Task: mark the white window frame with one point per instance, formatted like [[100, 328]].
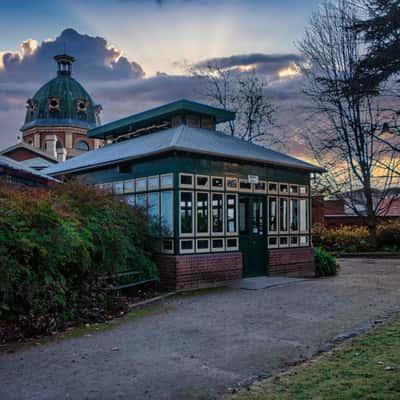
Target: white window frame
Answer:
[[284, 246], [162, 246], [186, 251], [228, 189], [191, 234], [207, 186], [290, 190], [217, 249], [130, 182], [184, 185], [236, 214], [207, 250], [136, 185], [217, 187], [230, 248], [163, 186], [223, 214], [307, 216], [287, 215], [273, 191], [294, 244], [303, 194], [260, 190], [307, 244], [273, 246], [245, 190], [282, 193], [290, 215], [202, 234], [275, 232], [157, 177]]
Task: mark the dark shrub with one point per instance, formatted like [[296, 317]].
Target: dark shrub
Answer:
[[56, 248], [325, 263], [388, 235]]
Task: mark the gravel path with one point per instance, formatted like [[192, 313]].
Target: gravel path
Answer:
[[198, 346]]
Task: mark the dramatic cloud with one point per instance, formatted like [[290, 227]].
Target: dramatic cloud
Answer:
[[268, 64], [96, 60]]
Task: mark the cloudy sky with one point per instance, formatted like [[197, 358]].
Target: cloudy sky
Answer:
[[133, 54]]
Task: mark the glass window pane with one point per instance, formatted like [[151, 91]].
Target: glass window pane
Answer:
[[153, 182], [304, 215], [258, 217], [141, 200], [231, 211], [141, 184], [186, 180], [217, 213], [166, 181], [272, 214], [243, 207], [130, 199], [186, 212], [202, 212], [167, 213], [154, 207], [283, 215], [294, 215]]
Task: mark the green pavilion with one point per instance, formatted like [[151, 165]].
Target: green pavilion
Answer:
[[223, 208]]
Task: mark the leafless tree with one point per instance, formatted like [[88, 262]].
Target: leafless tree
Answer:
[[346, 135], [244, 93]]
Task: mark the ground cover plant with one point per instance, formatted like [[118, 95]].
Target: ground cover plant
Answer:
[[366, 368], [325, 263], [59, 251]]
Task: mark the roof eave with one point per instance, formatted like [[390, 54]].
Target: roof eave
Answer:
[[310, 168]]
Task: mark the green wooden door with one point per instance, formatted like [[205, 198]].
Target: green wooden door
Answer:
[[253, 238]]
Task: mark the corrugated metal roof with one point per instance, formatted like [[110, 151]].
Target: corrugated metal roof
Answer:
[[15, 165], [132, 122], [182, 138]]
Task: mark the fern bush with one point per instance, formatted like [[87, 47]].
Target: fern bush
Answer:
[[325, 263]]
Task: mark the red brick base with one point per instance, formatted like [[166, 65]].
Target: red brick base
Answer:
[[291, 262], [198, 270]]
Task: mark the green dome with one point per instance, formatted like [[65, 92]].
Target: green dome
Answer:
[[62, 101]]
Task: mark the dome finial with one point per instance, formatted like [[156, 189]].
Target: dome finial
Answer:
[[64, 62]]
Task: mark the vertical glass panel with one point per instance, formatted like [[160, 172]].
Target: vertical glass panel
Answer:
[[243, 207], [258, 217], [202, 212], [283, 215], [141, 184], [167, 213], [294, 215], [303, 215], [153, 182], [130, 199], [231, 211], [141, 200], [217, 213], [154, 208], [186, 212], [272, 214]]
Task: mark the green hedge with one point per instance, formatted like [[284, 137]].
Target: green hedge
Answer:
[[56, 246]]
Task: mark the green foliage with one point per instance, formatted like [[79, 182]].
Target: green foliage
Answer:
[[57, 245], [325, 263]]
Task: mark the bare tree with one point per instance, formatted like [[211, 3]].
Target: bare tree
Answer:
[[347, 123], [244, 93]]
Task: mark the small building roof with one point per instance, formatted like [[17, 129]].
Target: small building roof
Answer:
[[25, 146], [9, 163], [136, 121], [181, 138]]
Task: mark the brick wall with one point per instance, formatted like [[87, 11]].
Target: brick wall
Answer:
[[291, 262], [199, 270]]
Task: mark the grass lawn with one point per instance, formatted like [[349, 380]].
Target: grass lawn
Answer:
[[368, 367]]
